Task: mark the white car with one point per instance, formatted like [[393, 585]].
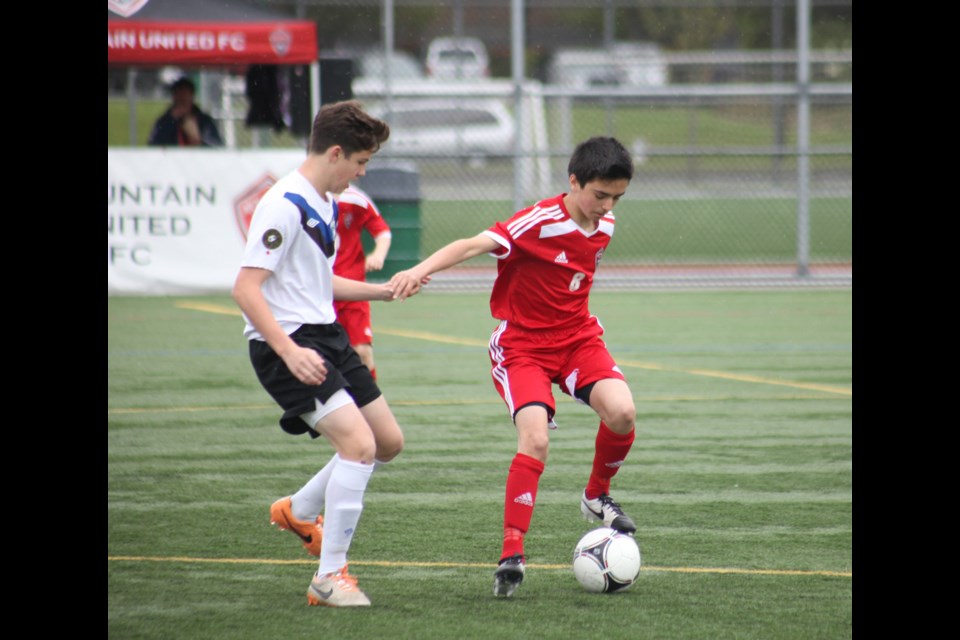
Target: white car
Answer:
[[369, 68], [457, 59], [430, 127], [626, 64], [373, 64]]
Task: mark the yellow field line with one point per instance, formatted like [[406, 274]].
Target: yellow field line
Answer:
[[209, 308], [117, 411], [395, 403], [740, 377], [433, 337], [467, 565]]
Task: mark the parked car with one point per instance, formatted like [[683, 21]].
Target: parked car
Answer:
[[625, 64], [457, 58], [447, 127], [372, 64], [369, 67]]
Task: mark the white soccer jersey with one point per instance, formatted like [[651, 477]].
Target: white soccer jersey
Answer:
[[293, 234]]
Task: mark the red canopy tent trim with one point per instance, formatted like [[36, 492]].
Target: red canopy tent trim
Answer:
[[206, 33], [219, 43]]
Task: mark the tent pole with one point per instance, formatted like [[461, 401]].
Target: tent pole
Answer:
[[132, 104], [314, 91]]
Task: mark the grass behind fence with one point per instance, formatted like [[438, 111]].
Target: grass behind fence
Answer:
[[648, 232], [740, 479], [752, 124]]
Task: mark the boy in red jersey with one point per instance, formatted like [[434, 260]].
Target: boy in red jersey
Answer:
[[356, 213], [548, 254]]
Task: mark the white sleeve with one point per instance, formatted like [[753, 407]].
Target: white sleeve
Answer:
[[272, 229]]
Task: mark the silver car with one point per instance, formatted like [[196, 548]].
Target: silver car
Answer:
[[457, 59], [433, 127]]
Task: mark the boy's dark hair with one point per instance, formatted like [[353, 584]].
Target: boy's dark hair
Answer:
[[600, 158], [183, 82], [348, 125]]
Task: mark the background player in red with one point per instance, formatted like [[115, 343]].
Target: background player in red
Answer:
[[357, 212], [547, 255]]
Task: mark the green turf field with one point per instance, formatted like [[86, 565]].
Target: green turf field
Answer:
[[740, 479]]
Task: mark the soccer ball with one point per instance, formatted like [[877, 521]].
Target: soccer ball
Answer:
[[606, 560]]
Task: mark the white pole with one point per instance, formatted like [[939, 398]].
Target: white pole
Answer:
[[803, 138], [388, 46], [516, 59], [314, 91], [132, 104]]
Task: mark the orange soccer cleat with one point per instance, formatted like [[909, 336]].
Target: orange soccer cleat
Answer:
[[310, 533]]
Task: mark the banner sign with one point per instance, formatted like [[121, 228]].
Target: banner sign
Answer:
[[177, 219], [216, 43]]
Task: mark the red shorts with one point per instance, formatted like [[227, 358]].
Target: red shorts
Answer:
[[355, 318], [527, 363]]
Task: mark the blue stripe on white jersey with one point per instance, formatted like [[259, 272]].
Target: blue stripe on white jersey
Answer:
[[323, 234]]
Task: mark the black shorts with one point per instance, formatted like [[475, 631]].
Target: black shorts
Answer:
[[344, 371]]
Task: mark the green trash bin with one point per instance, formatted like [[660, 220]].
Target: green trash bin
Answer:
[[395, 189]]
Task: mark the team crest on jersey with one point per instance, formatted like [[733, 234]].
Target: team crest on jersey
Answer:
[[272, 238], [348, 220], [599, 257]]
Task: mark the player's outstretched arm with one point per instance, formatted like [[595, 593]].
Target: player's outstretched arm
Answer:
[[406, 283], [347, 289]]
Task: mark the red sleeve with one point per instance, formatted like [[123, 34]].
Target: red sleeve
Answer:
[[374, 222]]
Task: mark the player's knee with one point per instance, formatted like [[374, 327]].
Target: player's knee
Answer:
[[360, 447], [535, 445], [389, 448], [365, 351], [622, 418]]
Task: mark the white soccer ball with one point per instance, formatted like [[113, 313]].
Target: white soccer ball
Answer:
[[606, 560]]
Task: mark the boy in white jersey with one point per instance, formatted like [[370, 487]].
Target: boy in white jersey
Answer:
[[302, 356], [547, 255]]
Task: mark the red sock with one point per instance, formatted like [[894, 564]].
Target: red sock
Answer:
[[521, 494], [610, 450]]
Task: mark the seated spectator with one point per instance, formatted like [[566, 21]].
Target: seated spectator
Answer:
[[184, 124]]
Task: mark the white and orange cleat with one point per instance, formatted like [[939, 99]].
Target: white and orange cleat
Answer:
[[336, 590]]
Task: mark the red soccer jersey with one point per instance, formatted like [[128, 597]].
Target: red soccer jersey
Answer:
[[356, 212], [546, 266]]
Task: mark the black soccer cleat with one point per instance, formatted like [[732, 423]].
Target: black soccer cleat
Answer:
[[508, 576]]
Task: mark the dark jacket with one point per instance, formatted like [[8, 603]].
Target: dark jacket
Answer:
[[166, 130]]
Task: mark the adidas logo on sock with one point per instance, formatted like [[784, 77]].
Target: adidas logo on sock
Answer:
[[524, 498], [614, 465], [562, 258]]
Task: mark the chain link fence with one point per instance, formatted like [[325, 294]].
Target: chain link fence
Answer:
[[744, 173], [715, 200]]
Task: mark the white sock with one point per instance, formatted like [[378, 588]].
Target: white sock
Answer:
[[307, 503], [344, 504]]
